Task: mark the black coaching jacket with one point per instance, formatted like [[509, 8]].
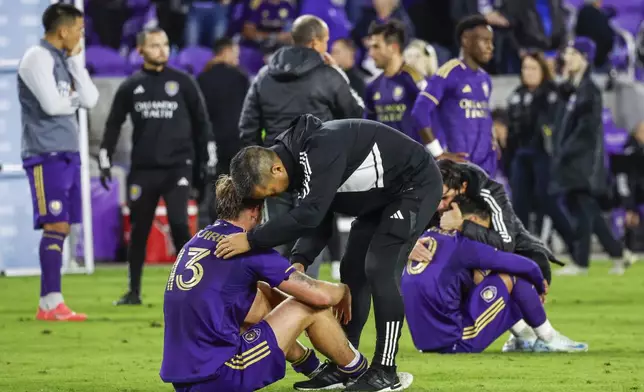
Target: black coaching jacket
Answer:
[[295, 82], [352, 167], [507, 232]]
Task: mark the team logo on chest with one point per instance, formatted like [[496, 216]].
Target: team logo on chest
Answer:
[[283, 13], [135, 192], [171, 88], [252, 335], [398, 93], [486, 89], [376, 96]]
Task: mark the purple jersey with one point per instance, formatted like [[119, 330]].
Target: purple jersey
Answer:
[[461, 98], [271, 16], [433, 292], [206, 301], [389, 100]]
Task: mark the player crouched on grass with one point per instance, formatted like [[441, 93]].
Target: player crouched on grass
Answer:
[[216, 337], [454, 304]]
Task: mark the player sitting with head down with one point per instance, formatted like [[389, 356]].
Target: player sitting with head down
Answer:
[[454, 304], [220, 334]]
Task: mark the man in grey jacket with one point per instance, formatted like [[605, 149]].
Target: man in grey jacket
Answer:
[[52, 85]]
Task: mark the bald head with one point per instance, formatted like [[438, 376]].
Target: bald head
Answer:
[[311, 32]]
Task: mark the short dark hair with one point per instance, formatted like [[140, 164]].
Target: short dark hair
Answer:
[[249, 168], [222, 44], [229, 204], [58, 14], [468, 23], [306, 28], [453, 173], [393, 31], [473, 205], [143, 34]]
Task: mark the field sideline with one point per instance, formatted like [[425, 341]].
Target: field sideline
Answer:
[[119, 349]]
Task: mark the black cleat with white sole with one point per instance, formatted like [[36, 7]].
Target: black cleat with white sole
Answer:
[[327, 379], [376, 379]]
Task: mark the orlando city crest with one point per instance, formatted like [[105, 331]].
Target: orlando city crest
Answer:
[[55, 207], [252, 335], [488, 294], [398, 93], [171, 88], [486, 89]]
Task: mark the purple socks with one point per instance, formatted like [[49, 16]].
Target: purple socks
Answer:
[[51, 260], [527, 299]]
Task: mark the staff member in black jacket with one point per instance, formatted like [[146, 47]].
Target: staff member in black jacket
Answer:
[[578, 173], [224, 86], [169, 152], [507, 232], [532, 114], [352, 167], [300, 79]]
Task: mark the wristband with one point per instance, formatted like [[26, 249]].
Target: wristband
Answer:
[[435, 148]]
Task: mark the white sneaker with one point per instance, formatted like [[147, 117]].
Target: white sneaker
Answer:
[[518, 345], [618, 268], [628, 258], [405, 379], [571, 269], [561, 344]]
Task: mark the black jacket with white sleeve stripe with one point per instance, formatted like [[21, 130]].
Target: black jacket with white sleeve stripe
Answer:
[[352, 167], [507, 232]]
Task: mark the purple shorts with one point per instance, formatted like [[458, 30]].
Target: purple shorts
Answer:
[[487, 314], [259, 362], [55, 185]]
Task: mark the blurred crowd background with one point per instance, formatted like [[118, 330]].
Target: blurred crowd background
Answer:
[[244, 34]]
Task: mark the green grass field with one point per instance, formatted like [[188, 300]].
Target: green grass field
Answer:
[[119, 349]]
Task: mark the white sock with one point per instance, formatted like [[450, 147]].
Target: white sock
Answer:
[[51, 301], [522, 330], [545, 331], [356, 359]]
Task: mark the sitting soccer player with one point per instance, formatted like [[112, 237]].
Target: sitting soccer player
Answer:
[[448, 312], [215, 336]]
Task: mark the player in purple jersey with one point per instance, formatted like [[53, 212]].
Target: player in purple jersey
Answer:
[[390, 98], [460, 93], [463, 299], [221, 333]]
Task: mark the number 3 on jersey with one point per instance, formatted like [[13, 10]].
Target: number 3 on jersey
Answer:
[[192, 265]]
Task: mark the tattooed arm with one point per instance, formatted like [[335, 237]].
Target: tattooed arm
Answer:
[[315, 293]]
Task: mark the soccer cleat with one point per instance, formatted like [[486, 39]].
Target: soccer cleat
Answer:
[[560, 344], [617, 269], [61, 313], [518, 345], [629, 258], [571, 269], [376, 379], [129, 298], [326, 379]]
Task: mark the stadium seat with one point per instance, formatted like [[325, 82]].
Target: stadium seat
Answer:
[[333, 13], [103, 61], [138, 4], [623, 56], [250, 59], [135, 62], [194, 59]]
